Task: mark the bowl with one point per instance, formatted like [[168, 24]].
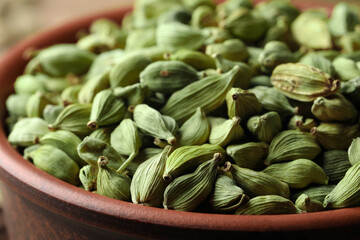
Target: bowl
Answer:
[[39, 206]]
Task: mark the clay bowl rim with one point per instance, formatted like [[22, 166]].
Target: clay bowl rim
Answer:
[[74, 203]]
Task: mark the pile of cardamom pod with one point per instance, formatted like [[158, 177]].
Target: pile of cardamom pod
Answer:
[[191, 106]]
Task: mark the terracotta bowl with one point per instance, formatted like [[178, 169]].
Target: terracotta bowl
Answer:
[[39, 206]]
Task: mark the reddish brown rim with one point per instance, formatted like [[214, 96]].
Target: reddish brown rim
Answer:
[[74, 203]]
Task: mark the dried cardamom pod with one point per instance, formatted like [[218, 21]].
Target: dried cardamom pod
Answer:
[[335, 163], [187, 192], [274, 54], [301, 123], [147, 185], [350, 42], [350, 89], [16, 104], [318, 61], [335, 135], [28, 84], [195, 130], [203, 16], [302, 82], [185, 159], [143, 114], [225, 8], [265, 127], [106, 109], [26, 130], [242, 103], [73, 118], [273, 100], [353, 151], [29, 150], [347, 191], [334, 108], [104, 62], [290, 145], [70, 94], [36, 104], [56, 163], [248, 155], [226, 196], [316, 193], [180, 15], [102, 134], [112, 184], [140, 38], [258, 183], [216, 35], [346, 68], [267, 205], [272, 10], [232, 49], [224, 131], [92, 86], [167, 76], [208, 93], [306, 204], [133, 94], [298, 173], [196, 59], [343, 19], [88, 177]]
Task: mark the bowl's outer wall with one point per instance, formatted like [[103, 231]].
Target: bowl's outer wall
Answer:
[[39, 206]]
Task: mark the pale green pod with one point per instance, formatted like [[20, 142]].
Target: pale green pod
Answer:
[[298, 173], [316, 193], [106, 110], [335, 135], [216, 35], [133, 94], [353, 151], [51, 112], [155, 53], [350, 42], [102, 134], [208, 93], [335, 163], [290, 145], [203, 16], [28, 84], [167, 76], [280, 31], [302, 82], [56, 84], [104, 62], [344, 19], [180, 15], [227, 7], [147, 185], [226, 196], [242, 103], [317, 61], [92, 87], [224, 131], [36, 104], [258, 183], [143, 114], [301, 123], [127, 71], [195, 130], [26, 130], [56, 163], [70, 94], [187, 192], [196, 59], [62, 59], [112, 184], [29, 150], [140, 38], [232, 49], [176, 36], [312, 24], [103, 26], [16, 104], [351, 90], [273, 100], [272, 10], [73, 118], [65, 141], [334, 108], [274, 54], [306, 204], [248, 155], [88, 177], [346, 68], [265, 127], [267, 205], [170, 124], [185, 159], [96, 43], [347, 191]]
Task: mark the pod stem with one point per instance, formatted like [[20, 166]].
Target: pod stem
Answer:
[[126, 163], [159, 143], [93, 125]]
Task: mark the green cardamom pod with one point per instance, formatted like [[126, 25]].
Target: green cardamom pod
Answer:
[[298, 173], [16, 104], [351, 90], [102, 134], [187, 192], [267, 205], [226, 196], [180, 15], [29, 150], [271, 10], [274, 54], [203, 16], [88, 177], [70, 94], [347, 191], [93, 86], [56, 163], [306, 204], [167, 76], [28, 84], [248, 155], [265, 127], [318, 61], [106, 110], [208, 93], [301, 123], [140, 38], [104, 62], [290, 145], [143, 114], [350, 42], [195, 130], [232, 49], [196, 59], [316, 193], [344, 19], [147, 185], [353, 151], [224, 131], [185, 159], [335, 135], [36, 104], [335, 163], [216, 35], [225, 8], [242, 103], [346, 68], [133, 94], [302, 82], [51, 112]]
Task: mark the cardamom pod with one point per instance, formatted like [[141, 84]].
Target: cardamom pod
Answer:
[[16, 104], [316, 193], [92, 86], [28, 84], [70, 94], [36, 104], [140, 38], [232, 49], [104, 62], [318, 61], [306, 204], [203, 16], [301, 123], [274, 54], [335, 163], [196, 59], [346, 68], [224, 131], [88, 177], [248, 155], [265, 127], [102, 134], [353, 151], [343, 19]]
